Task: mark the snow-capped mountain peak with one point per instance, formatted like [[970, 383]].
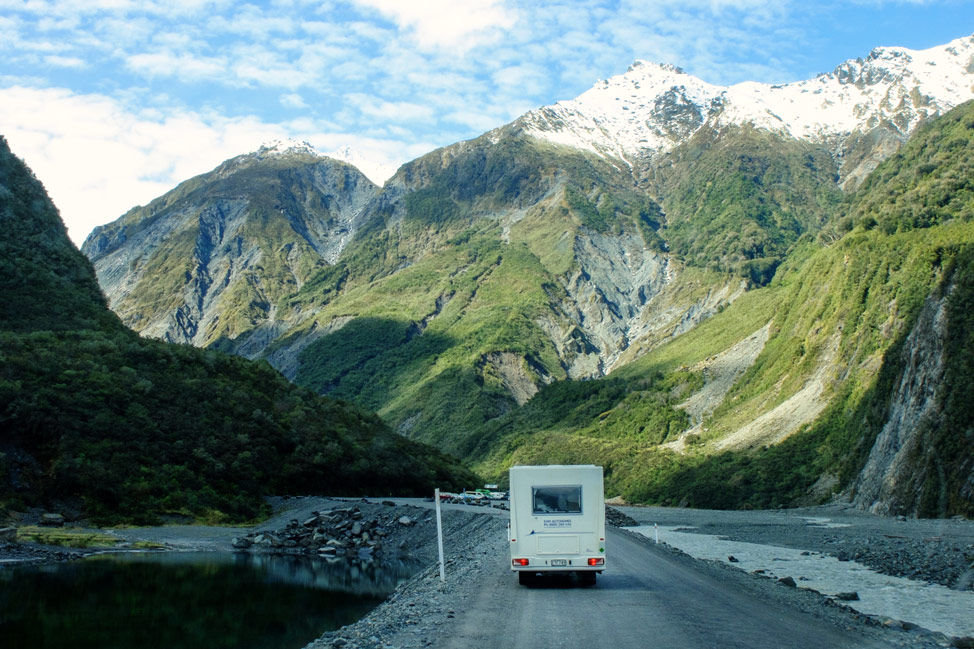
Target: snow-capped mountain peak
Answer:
[[286, 147], [653, 107]]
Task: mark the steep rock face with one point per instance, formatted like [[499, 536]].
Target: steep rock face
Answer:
[[890, 481], [210, 261], [607, 295], [518, 376]]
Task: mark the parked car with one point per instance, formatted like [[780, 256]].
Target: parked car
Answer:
[[473, 498]]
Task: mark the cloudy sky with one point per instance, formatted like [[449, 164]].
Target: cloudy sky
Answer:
[[114, 102]]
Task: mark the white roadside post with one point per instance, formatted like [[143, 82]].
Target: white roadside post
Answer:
[[439, 531], [656, 529]]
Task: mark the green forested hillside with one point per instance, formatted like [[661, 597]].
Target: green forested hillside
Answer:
[[862, 295], [929, 182], [44, 282], [749, 327], [99, 421], [740, 200]]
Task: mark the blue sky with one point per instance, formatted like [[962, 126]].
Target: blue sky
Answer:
[[114, 102]]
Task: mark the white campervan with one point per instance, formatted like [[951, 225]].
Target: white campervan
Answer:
[[557, 521]]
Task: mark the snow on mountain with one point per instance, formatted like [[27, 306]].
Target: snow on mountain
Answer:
[[286, 147], [375, 169], [653, 107]]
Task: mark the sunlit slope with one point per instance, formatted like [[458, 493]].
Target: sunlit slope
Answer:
[[480, 273], [781, 397], [209, 262], [502, 266]]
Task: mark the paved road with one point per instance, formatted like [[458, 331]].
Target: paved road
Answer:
[[645, 599]]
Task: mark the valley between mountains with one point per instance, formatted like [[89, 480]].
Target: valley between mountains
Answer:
[[741, 297], [744, 297]]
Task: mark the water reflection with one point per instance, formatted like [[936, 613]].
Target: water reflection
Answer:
[[177, 600]]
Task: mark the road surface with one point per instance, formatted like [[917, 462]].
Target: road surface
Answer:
[[645, 598]]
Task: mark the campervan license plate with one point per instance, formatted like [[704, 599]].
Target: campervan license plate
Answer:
[[559, 562]]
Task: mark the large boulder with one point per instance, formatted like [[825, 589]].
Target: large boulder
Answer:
[[52, 520]]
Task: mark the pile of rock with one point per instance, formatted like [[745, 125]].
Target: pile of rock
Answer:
[[618, 519], [339, 534]]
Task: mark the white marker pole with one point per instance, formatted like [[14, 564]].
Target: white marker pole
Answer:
[[656, 529], [439, 532]]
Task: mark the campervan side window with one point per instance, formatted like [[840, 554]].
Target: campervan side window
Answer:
[[557, 500]]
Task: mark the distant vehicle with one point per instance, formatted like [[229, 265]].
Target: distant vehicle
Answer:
[[447, 496], [557, 521], [492, 494]]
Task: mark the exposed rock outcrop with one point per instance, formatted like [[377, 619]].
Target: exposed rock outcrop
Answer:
[[210, 260], [889, 482]]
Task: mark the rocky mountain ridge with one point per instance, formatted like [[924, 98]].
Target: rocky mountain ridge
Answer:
[[251, 231], [652, 108]]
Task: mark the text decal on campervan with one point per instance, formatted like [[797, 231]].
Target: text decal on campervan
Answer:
[[557, 520]]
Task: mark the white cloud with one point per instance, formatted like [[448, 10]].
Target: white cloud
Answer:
[[182, 66], [393, 111], [527, 77], [65, 61], [448, 24], [98, 159], [293, 100], [476, 121]]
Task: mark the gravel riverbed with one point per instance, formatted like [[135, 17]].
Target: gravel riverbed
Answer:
[[933, 550]]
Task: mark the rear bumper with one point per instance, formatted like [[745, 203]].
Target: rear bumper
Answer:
[[577, 564]]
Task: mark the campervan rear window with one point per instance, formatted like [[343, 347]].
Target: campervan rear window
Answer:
[[557, 500]]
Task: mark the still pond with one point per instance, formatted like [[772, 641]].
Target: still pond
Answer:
[[180, 600]]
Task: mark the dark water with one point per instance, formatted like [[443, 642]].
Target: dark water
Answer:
[[185, 600]]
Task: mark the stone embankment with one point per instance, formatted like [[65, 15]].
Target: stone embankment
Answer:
[[346, 533]]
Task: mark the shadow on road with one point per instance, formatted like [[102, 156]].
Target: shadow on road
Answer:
[[566, 580]]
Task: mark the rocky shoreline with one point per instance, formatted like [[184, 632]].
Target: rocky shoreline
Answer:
[[336, 534], [23, 553]]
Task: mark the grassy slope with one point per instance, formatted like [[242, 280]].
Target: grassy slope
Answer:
[[739, 201], [280, 201], [446, 247], [869, 288]]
